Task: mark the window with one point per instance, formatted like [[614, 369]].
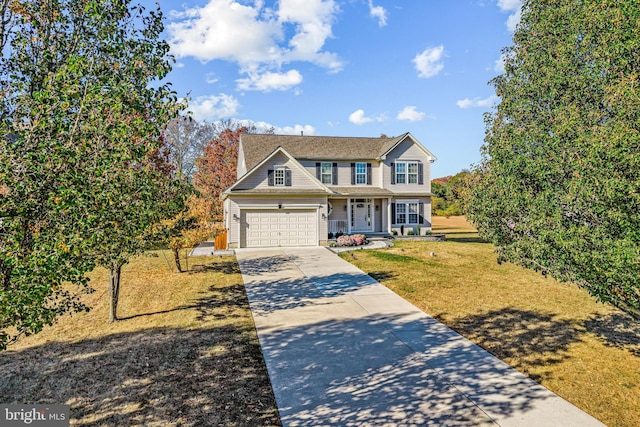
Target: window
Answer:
[[326, 173], [279, 176], [401, 213], [406, 173], [361, 173], [401, 173], [413, 213], [407, 212], [412, 173]]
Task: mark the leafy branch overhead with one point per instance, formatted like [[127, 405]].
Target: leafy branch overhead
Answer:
[[559, 186]]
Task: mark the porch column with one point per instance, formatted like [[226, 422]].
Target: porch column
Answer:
[[349, 216], [389, 219]]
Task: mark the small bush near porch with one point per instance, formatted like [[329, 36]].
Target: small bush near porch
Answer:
[[586, 352]]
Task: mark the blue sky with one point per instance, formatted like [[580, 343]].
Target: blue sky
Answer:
[[345, 67]]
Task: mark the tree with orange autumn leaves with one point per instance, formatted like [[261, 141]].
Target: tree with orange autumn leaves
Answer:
[[217, 168]]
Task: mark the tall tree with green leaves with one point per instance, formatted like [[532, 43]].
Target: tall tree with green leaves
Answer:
[[559, 188], [82, 112]]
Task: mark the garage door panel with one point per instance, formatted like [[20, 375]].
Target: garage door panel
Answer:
[[264, 228]]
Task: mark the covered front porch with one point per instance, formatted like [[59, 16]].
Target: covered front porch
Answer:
[[363, 215]]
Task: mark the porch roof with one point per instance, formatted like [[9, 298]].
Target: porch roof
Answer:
[[361, 191], [279, 191]]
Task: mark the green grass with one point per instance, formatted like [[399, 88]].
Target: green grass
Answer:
[[185, 353], [588, 353]]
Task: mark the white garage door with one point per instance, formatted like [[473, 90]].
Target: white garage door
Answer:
[[282, 227]]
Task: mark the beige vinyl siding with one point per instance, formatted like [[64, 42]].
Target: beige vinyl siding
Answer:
[[236, 204], [339, 209], [344, 171], [259, 179], [242, 165], [407, 152]]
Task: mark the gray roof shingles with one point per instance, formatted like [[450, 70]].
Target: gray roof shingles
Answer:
[[258, 146]]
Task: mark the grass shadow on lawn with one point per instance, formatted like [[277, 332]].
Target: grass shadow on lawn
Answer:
[[464, 237], [208, 306], [616, 330], [226, 267], [192, 359], [382, 275], [160, 376], [543, 339]]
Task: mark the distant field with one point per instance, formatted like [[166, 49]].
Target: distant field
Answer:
[[186, 353], [588, 353]]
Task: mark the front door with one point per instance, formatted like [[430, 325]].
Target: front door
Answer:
[[361, 214]]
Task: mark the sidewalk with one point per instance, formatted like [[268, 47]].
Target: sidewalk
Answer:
[[341, 349]]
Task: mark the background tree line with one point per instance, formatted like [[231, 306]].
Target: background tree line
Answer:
[[451, 194]]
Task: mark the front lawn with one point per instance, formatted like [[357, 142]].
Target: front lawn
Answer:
[[185, 353], [588, 353]]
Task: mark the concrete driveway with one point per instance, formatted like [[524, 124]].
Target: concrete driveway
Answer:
[[341, 349]]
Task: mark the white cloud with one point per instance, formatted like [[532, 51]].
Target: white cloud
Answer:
[[358, 117], [429, 62], [269, 81], [214, 107], [411, 114], [513, 6], [498, 66], [378, 12], [286, 130], [211, 78], [255, 37], [478, 102], [313, 20], [224, 29], [296, 130], [507, 5]]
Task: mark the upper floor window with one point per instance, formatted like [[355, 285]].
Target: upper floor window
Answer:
[[406, 173], [326, 173], [279, 176], [361, 173]]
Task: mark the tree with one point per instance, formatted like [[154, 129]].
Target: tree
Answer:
[[217, 168], [559, 185], [80, 134], [451, 194], [186, 139], [190, 227]]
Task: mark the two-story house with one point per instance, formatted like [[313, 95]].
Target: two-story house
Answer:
[[299, 190]]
